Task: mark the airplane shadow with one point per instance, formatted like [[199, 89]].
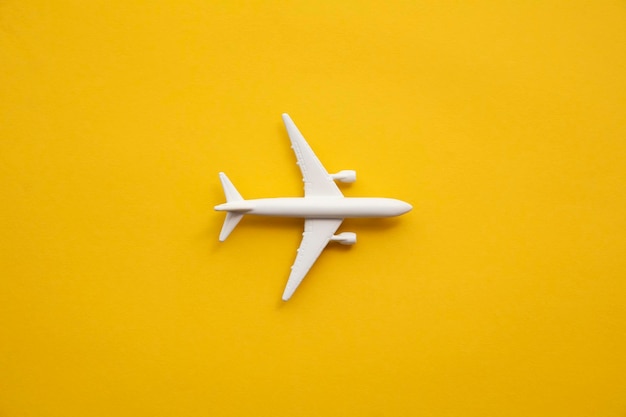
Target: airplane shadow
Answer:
[[263, 224]]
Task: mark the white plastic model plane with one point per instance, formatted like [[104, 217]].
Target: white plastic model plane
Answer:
[[323, 207]]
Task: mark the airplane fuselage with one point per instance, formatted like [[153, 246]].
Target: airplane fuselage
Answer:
[[319, 207]]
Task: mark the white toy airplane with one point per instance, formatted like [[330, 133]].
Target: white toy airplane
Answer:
[[323, 207]]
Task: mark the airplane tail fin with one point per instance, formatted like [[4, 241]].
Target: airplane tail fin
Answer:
[[232, 217]]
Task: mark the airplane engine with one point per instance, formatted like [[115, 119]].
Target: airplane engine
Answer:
[[347, 176], [345, 238]]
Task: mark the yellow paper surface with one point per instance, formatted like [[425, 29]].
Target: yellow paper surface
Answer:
[[503, 293]]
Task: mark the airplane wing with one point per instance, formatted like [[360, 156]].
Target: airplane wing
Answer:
[[317, 181], [317, 233]]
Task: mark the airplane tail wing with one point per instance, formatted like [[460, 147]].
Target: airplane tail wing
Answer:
[[230, 191], [232, 217]]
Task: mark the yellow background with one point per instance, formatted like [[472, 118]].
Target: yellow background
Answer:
[[501, 294]]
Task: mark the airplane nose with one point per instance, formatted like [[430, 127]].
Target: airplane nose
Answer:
[[405, 207]]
